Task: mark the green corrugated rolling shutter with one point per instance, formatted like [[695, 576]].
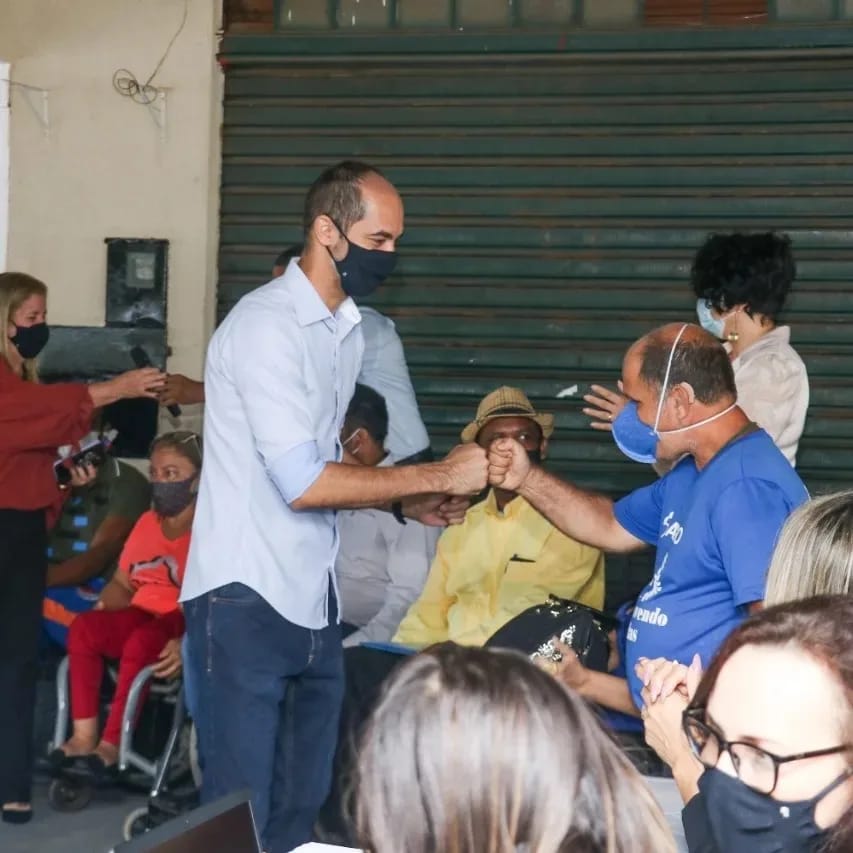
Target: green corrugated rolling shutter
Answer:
[[556, 187]]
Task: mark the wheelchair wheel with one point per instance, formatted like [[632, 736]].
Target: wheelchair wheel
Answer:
[[136, 823], [66, 795]]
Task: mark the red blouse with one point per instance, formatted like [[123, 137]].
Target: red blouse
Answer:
[[34, 421]]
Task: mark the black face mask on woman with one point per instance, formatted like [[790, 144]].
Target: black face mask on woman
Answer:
[[31, 340], [747, 821]]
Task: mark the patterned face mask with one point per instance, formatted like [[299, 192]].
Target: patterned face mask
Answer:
[[170, 499]]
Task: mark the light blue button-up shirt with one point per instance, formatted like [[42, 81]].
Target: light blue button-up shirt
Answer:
[[280, 372], [385, 370]]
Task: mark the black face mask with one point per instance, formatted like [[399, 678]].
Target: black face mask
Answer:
[[535, 456], [363, 270], [745, 820], [31, 340], [170, 499]]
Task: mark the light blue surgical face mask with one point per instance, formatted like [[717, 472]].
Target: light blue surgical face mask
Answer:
[[637, 440], [715, 326]]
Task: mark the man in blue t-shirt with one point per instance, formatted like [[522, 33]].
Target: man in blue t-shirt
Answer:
[[714, 518]]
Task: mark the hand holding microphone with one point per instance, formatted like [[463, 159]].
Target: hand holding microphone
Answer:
[[143, 361]]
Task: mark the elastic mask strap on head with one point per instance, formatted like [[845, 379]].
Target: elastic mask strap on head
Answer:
[[835, 783], [666, 376], [329, 249], [700, 423], [340, 231]]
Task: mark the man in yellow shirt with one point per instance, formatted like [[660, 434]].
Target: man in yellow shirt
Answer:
[[502, 559], [505, 556]]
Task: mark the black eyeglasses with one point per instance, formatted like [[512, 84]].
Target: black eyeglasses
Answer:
[[755, 767]]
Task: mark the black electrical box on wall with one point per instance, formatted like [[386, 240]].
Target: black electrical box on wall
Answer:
[[137, 272]]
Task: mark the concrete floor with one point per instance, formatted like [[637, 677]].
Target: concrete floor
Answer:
[[99, 827], [96, 829]]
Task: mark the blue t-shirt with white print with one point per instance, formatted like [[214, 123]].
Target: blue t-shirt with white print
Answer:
[[714, 531]]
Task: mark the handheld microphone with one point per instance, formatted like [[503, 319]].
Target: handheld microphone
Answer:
[[142, 359]]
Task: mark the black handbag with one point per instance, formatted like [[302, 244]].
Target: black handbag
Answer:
[[583, 628]]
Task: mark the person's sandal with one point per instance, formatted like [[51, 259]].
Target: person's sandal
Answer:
[[57, 759], [101, 772], [19, 816]]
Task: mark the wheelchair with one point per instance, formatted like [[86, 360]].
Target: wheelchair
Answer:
[[171, 777]]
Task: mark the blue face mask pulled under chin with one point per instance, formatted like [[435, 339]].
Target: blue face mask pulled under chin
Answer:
[[638, 441]]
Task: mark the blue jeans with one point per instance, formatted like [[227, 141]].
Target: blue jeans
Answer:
[[189, 676], [269, 696]]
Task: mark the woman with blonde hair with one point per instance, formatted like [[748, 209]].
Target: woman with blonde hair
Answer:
[[814, 554], [473, 750], [34, 421]]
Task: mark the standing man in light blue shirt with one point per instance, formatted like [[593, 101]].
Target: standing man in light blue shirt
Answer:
[[259, 593]]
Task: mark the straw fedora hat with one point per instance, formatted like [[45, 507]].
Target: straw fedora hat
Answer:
[[506, 402]]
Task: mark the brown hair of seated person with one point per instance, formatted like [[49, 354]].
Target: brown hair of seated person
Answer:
[[477, 751]]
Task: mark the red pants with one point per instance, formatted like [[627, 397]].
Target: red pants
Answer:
[[132, 636]]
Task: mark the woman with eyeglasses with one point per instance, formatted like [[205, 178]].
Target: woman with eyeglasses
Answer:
[[766, 758]]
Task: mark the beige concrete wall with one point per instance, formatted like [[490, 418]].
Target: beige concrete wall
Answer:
[[4, 160], [102, 168]]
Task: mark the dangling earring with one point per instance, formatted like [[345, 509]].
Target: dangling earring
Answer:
[[733, 335]]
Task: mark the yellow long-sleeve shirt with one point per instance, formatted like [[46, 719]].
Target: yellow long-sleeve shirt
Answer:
[[492, 567]]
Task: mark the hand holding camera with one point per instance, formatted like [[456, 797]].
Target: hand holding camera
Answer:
[[79, 467]]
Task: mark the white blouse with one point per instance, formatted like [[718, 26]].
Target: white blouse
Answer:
[[773, 388]]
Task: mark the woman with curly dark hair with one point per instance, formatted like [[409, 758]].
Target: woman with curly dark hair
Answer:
[[742, 282]]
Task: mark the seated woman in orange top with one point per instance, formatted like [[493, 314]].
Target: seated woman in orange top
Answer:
[[137, 619]]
